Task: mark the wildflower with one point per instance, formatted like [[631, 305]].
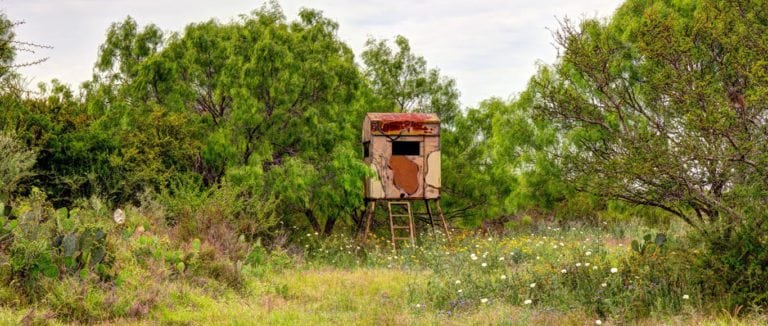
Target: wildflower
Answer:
[[473, 256], [483, 300], [458, 282], [459, 291], [317, 233], [578, 264], [561, 244], [501, 258], [686, 297], [533, 285], [589, 253], [490, 239], [503, 277], [537, 257], [594, 267], [614, 270], [563, 271], [604, 284], [484, 265], [418, 305], [598, 322], [586, 264], [527, 301]]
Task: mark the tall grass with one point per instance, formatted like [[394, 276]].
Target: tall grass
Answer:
[[541, 273]]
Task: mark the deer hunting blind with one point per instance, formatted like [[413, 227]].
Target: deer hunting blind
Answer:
[[403, 150]]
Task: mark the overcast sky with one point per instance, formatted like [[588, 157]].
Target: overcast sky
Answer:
[[490, 47]]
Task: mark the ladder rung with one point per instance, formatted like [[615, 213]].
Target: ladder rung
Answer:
[[401, 227]]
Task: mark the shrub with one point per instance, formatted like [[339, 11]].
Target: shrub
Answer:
[[50, 243], [16, 164], [733, 269]]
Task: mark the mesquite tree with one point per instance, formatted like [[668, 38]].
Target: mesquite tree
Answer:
[[665, 106]]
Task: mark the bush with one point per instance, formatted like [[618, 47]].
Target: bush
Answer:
[[734, 267], [16, 164], [48, 243]]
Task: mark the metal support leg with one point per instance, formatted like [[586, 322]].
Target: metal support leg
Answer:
[[369, 217], [431, 219], [442, 218]]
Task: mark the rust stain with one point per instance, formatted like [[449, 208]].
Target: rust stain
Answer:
[[404, 123], [405, 173], [410, 126], [391, 116]]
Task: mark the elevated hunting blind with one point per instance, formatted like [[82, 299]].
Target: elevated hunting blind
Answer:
[[403, 150]]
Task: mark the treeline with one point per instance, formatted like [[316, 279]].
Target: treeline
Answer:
[[267, 106]]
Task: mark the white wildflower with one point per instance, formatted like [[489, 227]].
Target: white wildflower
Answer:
[[533, 285], [483, 300], [686, 297], [119, 216], [527, 301], [614, 270]]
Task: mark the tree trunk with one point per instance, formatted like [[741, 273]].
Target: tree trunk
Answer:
[[329, 223], [312, 220]]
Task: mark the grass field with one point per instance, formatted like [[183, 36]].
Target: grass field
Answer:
[[545, 276]]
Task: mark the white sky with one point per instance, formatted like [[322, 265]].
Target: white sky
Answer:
[[490, 47]]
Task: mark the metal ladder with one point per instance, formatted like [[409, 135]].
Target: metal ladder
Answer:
[[393, 227]]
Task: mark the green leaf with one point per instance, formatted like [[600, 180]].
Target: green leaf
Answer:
[[50, 271]]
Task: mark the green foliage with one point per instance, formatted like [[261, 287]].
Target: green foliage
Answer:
[[46, 243], [16, 165], [7, 51], [403, 83], [640, 122], [650, 245], [266, 103], [660, 106], [734, 268]]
